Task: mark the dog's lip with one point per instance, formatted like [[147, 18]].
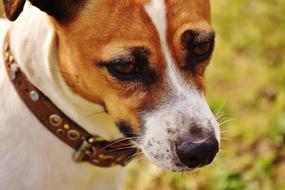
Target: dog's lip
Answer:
[[179, 168], [176, 166]]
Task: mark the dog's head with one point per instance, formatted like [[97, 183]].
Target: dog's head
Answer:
[[145, 61]]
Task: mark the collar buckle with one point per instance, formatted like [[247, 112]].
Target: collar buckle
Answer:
[[85, 149]]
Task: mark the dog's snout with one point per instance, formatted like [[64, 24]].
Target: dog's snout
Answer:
[[197, 154]]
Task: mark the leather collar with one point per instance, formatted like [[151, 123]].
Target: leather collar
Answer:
[[88, 148]]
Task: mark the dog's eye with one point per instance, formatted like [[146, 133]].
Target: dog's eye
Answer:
[[202, 48], [123, 70], [198, 48], [132, 68], [200, 52]]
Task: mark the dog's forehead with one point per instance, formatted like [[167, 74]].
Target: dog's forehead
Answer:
[[177, 13], [136, 20]]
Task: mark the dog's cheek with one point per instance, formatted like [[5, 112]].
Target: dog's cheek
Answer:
[[155, 142]]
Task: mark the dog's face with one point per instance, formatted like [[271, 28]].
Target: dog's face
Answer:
[[145, 61]]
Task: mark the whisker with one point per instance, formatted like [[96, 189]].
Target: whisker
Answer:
[[226, 121], [123, 148], [223, 132], [122, 140], [92, 114], [219, 112], [223, 117], [129, 157], [220, 116], [222, 152], [139, 155], [141, 158]]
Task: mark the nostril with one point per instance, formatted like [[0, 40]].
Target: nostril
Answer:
[[194, 154]]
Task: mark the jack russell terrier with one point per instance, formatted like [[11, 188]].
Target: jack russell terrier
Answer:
[[130, 68]]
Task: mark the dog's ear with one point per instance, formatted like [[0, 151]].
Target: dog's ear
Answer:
[[13, 8], [61, 10]]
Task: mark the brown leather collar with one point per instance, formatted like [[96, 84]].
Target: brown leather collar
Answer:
[[89, 148]]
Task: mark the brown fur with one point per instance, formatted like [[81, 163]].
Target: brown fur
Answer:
[[103, 29]]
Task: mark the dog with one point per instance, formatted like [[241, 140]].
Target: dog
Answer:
[[131, 68]]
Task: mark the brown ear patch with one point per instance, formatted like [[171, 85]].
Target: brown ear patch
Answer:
[[13, 8]]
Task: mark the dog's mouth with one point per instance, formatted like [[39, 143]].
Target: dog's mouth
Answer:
[[171, 153], [186, 156], [179, 136]]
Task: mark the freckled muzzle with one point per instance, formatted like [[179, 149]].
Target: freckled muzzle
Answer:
[[182, 135]]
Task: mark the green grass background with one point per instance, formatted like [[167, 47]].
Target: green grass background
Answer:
[[246, 88]]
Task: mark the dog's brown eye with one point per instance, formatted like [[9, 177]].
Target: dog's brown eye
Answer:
[[198, 46], [123, 70], [202, 49], [199, 52], [127, 68], [131, 68]]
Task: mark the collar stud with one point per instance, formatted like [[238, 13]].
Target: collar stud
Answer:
[[6, 56], [11, 59], [73, 135], [60, 132], [13, 69], [34, 96], [55, 120]]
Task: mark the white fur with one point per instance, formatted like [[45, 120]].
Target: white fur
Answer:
[[31, 157], [186, 104]]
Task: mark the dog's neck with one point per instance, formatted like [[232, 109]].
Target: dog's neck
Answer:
[[34, 45]]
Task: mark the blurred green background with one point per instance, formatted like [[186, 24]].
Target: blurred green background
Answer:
[[246, 89]]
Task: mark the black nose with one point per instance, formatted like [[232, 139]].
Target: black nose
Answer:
[[194, 154]]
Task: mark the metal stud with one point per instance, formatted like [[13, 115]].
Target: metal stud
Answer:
[[79, 155], [13, 70], [91, 152], [60, 132], [88, 153], [105, 157], [11, 59], [73, 135], [66, 126], [55, 120], [34, 96], [92, 140], [6, 56], [95, 161]]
